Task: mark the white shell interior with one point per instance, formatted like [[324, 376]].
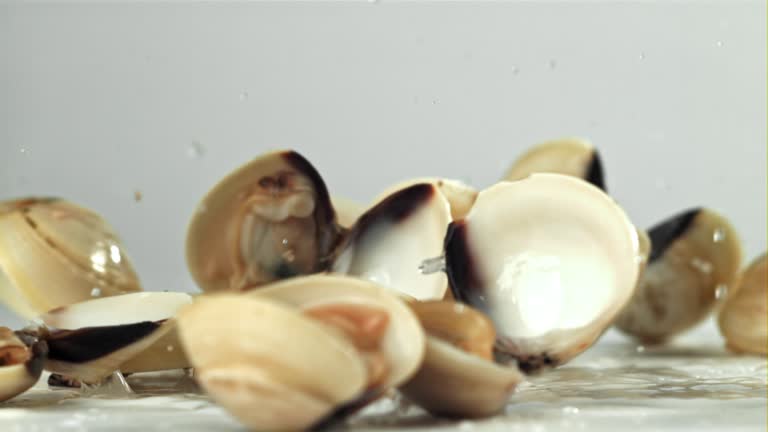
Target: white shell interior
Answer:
[[554, 253], [390, 253], [117, 310]]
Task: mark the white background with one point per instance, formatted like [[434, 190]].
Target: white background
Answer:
[[100, 101]]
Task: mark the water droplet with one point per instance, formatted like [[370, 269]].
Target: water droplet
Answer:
[[137, 195], [702, 265], [570, 410], [96, 292], [719, 44], [195, 150], [434, 101], [718, 235], [243, 96], [515, 70], [285, 242], [640, 258], [642, 55], [721, 291], [640, 348], [22, 150], [169, 348], [552, 64]]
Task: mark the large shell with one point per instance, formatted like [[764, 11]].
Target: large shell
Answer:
[[54, 253], [693, 254], [551, 259], [21, 363], [569, 156], [270, 219], [389, 242], [743, 320], [90, 340], [403, 343], [460, 196], [458, 378], [267, 364]]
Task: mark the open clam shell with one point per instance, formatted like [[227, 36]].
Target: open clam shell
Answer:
[[569, 156], [54, 253], [21, 363], [743, 319], [90, 340], [551, 259], [458, 377], [693, 254], [266, 363], [269, 219], [403, 342], [390, 240], [460, 196]]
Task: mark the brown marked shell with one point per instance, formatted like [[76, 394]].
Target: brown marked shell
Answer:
[[743, 319], [569, 156]]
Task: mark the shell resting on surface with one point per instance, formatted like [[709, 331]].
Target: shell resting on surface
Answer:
[[54, 253], [21, 362], [743, 319], [270, 219]]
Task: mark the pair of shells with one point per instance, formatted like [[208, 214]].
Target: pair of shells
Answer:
[[551, 259]]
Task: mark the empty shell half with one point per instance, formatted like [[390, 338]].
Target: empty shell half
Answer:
[[551, 259], [90, 340], [271, 367], [460, 196], [269, 219], [389, 242], [54, 253], [570, 156], [458, 377], [743, 320], [693, 254], [21, 362]]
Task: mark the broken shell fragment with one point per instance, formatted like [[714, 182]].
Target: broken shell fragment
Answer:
[[743, 319], [551, 259], [21, 363], [389, 242], [90, 340], [269, 219], [460, 196], [54, 253], [693, 254], [570, 156], [458, 377], [267, 364]]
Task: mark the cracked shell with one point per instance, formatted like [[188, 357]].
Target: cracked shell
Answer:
[[270, 219], [54, 253], [551, 259], [569, 156], [743, 319]]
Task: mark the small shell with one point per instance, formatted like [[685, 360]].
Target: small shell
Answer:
[[569, 156], [458, 378], [54, 253], [743, 320], [90, 340], [20, 363], [267, 364], [269, 219], [460, 196], [551, 259], [693, 254], [390, 241]]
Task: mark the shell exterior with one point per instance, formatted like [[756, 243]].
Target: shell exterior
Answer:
[[269, 219], [21, 363], [389, 242], [458, 377], [693, 254], [54, 253], [251, 355], [90, 340], [743, 319], [347, 210], [403, 343], [569, 156], [460, 196], [551, 259]]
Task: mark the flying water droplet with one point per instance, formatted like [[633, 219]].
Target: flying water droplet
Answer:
[[22, 150], [137, 195], [552, 64], [195, 150], [515, 70], [718, 235], [434, 101], [719, 44], [243, 96], [642, 55]]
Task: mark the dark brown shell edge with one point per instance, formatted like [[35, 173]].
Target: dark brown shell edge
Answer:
[[664, 234], [594, 172], [90, 343]]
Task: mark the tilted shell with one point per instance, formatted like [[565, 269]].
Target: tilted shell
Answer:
[[743, 319]]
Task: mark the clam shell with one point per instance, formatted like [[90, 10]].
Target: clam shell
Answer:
[[267, 364], [54, 253], [16, 378], [90, 340], [389, 242], [692, 254], [551, 259], [460, 196], [403, 343], [347, 210], [270, 219], [743, 319], [569, 156]]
